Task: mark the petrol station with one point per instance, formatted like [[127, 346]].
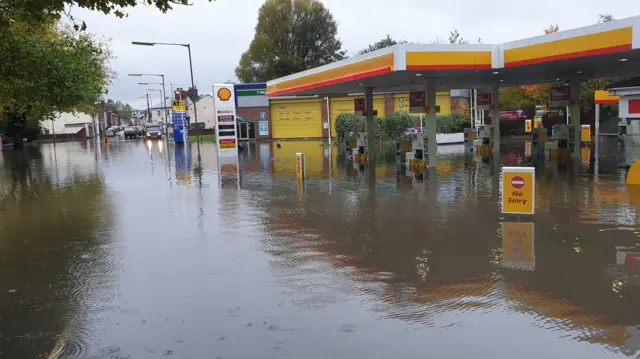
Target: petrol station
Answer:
[[609, 49]]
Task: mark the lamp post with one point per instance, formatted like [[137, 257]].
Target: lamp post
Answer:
[[193, 86], [163, 107], [164, 94]]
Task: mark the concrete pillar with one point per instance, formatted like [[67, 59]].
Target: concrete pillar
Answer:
[[495, 117], [575, 113], [430, 97], [368, 107]]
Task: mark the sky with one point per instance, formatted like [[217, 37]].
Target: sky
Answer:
[[220, 31]]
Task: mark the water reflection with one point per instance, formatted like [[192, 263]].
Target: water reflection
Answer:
[[146, 251], [417, 261], [55, 255]]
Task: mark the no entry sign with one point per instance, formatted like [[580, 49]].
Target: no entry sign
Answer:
[[517, 182], [518, 190]]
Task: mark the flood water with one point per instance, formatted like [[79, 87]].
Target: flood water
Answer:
[[134, 250]]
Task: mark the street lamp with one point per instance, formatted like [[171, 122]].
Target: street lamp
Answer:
[[164, 102], [193, 86]]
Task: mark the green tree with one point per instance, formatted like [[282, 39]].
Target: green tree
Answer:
[[291, 36], [45, 10], [515, 96], [385, 42], [47, 69], [121, 109]]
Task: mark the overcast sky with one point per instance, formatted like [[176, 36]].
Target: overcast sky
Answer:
[[219, 32]]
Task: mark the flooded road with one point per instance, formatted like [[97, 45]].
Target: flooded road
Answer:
[[133, 250]]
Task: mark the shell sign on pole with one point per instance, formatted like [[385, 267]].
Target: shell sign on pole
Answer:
[[225, 116]]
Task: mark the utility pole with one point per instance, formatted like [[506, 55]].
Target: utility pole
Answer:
[[164, 106], [148, 110]]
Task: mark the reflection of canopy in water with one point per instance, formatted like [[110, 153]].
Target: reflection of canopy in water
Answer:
[[449, 268]]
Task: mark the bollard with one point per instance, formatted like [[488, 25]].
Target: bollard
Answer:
[[300, 173], [300, 167]]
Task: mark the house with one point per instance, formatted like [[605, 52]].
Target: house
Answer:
[[206, 118], [70, 126]]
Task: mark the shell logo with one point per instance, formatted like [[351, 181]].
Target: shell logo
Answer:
[[224, 94]]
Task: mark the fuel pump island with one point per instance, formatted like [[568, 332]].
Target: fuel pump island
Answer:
[[609, 49]]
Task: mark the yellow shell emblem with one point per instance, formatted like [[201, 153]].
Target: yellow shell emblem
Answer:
[[224, 94]]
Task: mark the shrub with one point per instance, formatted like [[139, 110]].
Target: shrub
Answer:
[[349, 122], [396, 123], [452, 123]]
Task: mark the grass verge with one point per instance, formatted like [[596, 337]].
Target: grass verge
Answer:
[[203, 138]]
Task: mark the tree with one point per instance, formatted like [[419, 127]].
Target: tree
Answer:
[[123, 110], [48, 69], [551, 29], [514, 96], [602, 18], [385, 42], [456, 38], [44, 10], [291, 36]]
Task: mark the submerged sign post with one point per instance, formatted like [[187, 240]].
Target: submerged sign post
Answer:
[[518, 190], [225, 112], [179, 120]]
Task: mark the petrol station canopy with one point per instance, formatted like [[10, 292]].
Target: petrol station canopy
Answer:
[[604, 50]]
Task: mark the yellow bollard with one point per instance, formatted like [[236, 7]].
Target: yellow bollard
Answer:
[[633, 176]]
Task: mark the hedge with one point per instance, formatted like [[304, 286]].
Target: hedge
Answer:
[[395, 123]]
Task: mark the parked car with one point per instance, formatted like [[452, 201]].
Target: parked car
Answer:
[[411, 130], [132, 132], [153, 132]]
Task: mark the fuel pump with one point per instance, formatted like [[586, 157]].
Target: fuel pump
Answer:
[[350, 145], [562, 141], [538, 141], [629, 136], [484, 143], [416, 158], [470, 135], [403, 145], [360, 154]]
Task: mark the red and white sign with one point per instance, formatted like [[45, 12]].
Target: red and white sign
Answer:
[[358, 106], [559, 96], [517, 182], [417, 102], [225, 110], [226, 118], [484, 100]]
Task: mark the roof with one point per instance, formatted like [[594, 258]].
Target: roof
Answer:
[[587, 52], [632, 82]]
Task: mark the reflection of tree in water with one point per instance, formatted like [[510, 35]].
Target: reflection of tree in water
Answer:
[[416, 263], [52, 254]]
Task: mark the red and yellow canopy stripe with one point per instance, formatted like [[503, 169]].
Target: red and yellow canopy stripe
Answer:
[[580, 46]]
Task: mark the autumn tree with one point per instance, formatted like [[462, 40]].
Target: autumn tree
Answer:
[[291, 36], [385, 42]]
